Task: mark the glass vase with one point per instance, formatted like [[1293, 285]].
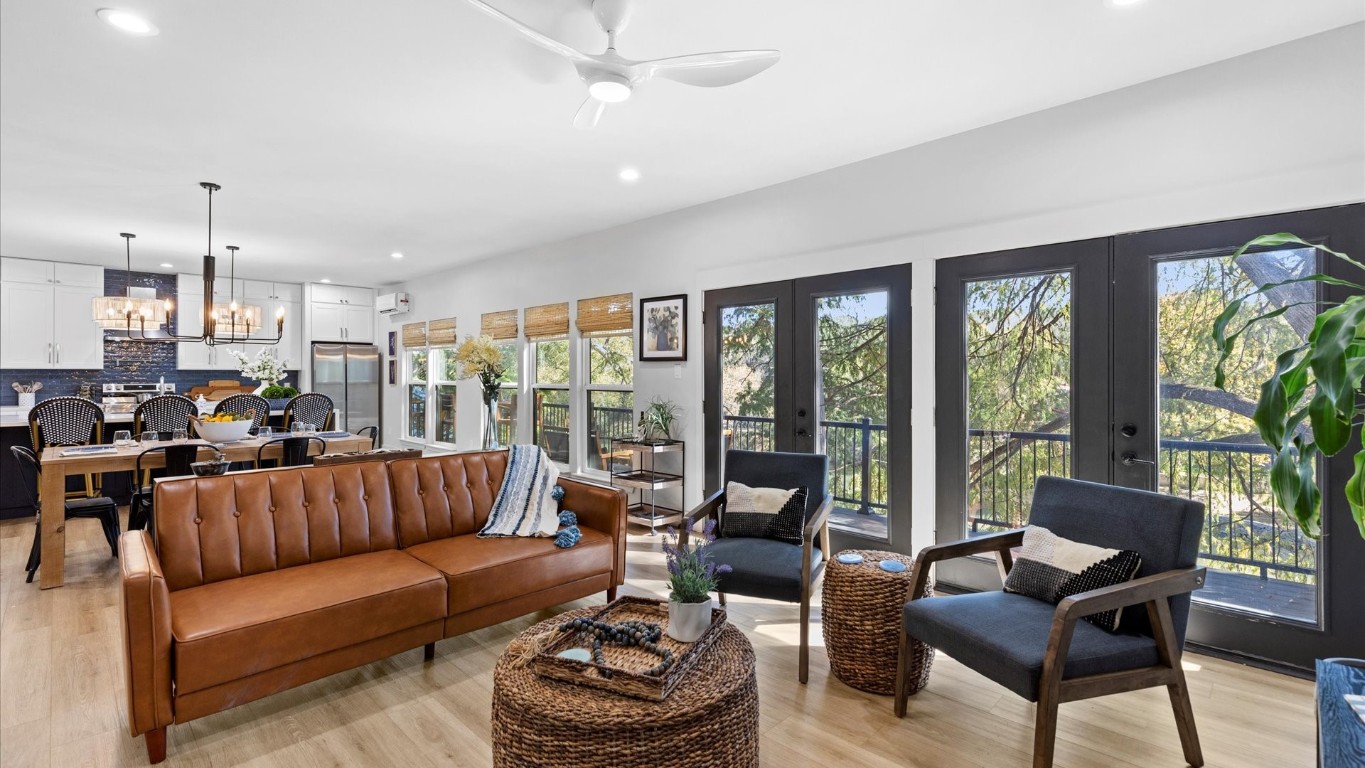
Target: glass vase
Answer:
[[490, 425]]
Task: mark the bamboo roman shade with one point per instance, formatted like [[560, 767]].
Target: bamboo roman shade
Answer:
[[441, 332], [548, 321], [414, 334], [499, 326], [606, 314]]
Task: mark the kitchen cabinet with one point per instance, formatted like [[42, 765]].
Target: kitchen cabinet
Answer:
[[224, 290], [342, 313], [288, 349], [258, 290], [45, 319], [199, 356]]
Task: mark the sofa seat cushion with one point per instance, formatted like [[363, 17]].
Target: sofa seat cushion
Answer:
[[231, 629], [487, 571], [1004, 637]]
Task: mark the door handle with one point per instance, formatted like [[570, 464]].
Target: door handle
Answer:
[[802, 432], [1130, 459], [49, 352], [59, 353]]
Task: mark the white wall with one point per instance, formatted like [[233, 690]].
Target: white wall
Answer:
[[1280, 129]]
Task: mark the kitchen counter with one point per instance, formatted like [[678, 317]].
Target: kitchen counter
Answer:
[[16, 416]]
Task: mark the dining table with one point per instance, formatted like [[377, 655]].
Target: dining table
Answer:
[[61, 462]]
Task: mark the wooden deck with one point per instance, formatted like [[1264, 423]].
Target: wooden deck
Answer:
[[1286, 599]]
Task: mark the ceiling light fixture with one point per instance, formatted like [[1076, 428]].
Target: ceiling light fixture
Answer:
[[118, 312], [324, 280], [1122, 3], [229, 319], [131, 23], [629, 175], [396, 255], [613, 89], [167, 265]]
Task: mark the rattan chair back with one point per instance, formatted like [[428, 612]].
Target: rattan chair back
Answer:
[[309, 408], [241, 404], [65, 421], [164, 413]]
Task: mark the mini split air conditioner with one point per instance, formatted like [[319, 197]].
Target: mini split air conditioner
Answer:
[[393, 304]]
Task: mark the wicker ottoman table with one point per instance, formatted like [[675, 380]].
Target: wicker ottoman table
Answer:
[[710, 719], [860, 616]]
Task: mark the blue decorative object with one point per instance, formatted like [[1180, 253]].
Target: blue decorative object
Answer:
[[850, 558], [575, 654], [568, 537], [557, 493], [567, 518], [892, 566]]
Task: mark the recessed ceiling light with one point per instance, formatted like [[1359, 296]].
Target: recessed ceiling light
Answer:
[[126, 21], [629, 175], [396, 255], [167, 265], [324, 280], [1124, 2]]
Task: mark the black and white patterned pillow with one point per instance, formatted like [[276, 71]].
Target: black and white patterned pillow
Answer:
[[1052, 568], [765, 513]]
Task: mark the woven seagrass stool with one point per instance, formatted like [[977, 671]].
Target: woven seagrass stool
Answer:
[[860, 615], [710, 719]]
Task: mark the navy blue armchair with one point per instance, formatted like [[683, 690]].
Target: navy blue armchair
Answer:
[[1044, 652], [764, 568]]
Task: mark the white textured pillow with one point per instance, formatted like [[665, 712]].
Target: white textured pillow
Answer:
[[768, 513]]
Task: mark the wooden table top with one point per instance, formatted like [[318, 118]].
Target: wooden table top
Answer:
[[125, 457]]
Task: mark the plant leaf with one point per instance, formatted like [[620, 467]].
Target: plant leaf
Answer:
[[1355, 491]]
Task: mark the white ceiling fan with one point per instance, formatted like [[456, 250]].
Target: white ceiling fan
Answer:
[[611, 77]]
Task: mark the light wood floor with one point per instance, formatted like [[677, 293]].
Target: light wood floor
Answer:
[[61, 697]]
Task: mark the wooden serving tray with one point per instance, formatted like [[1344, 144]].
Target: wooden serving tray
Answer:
[[628, 663]]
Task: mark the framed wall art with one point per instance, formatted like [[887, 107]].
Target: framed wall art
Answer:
[[663, 328]]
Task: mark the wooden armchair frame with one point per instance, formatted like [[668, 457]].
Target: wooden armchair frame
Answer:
[[1151, 591], [817, 524]]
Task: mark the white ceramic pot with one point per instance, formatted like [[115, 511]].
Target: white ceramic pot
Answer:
[[687, 621], [27, 399]]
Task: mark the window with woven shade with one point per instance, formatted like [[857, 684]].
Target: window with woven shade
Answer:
[[607, 327], [414, 335], [547, 321], [606, 314], [442, 379], [499, 326], [441, 332]]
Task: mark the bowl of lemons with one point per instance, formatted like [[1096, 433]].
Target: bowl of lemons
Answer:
[[223, 427]]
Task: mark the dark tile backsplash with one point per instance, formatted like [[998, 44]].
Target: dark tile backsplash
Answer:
[[124, 361]]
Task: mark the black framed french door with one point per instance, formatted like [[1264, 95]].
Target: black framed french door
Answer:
[[819, 365], [1022, 386], [1095, 359], [1272, 592]]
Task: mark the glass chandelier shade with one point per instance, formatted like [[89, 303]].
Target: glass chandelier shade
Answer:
[[123, 313], [234, 320]]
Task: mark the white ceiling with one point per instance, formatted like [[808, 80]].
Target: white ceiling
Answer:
[[343, 131]]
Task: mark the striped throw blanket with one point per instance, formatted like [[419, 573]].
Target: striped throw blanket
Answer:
[[525, 505]]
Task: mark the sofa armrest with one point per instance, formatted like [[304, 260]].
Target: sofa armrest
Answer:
[[146, 618], [601, 509]]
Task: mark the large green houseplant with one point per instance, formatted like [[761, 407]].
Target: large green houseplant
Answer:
[[1318, 382]]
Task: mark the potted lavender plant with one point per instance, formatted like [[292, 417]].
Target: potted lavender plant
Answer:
[[691, 579]]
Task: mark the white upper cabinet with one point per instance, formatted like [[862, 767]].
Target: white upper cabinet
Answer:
[[257, 289], [45, 319], [341, 313], [223, 288], [326, 293]]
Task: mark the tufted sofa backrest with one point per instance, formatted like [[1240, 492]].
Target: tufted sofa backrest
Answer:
[[210, 529], [443, 496]]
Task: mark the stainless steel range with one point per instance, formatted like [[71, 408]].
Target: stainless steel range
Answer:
[[124, 398]]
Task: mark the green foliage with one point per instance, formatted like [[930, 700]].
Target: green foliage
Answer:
[[552, 362], [1318, 381], [278, 392], [611, 360], [656, 421]]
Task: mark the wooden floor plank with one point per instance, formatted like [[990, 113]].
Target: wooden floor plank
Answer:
[[62, 697]]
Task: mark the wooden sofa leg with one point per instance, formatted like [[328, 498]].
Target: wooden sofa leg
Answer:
[[156, 745], [611, 594], [428, 651], [721, 596], [804, 672]]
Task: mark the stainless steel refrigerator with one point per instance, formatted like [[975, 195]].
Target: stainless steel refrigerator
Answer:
[[349, 374]]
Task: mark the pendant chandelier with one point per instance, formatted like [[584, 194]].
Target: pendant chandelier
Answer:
[[121, 313], [229, 320], [223, 323]]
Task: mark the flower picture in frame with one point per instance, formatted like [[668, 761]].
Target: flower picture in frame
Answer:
[[663, 328]]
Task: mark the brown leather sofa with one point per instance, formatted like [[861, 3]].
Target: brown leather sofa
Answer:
[[262, 581]]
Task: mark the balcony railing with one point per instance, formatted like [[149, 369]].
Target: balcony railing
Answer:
[[552, 425], [1243, 527]]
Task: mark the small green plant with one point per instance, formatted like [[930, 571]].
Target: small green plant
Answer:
[[656, 421], [691, 571], [278, 392], [1318, 382]]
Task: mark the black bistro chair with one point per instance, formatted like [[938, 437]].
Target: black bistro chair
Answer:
[[371, 432], [294, 450], [243, 403], [309, 408], [163, 413], [67, 421], [1043, 652], [98, 508], [178, 460], [767, 568]]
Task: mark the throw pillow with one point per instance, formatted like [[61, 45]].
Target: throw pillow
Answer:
[[1052, 568], [765, 513]]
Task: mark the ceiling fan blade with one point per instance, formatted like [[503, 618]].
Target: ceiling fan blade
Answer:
[[589, 114], [539, 38], [710, 69]]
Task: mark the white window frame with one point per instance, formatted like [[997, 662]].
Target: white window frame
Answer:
[[534, 386], [435, 354], [586, 388], [408, 383], [517, 387]]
